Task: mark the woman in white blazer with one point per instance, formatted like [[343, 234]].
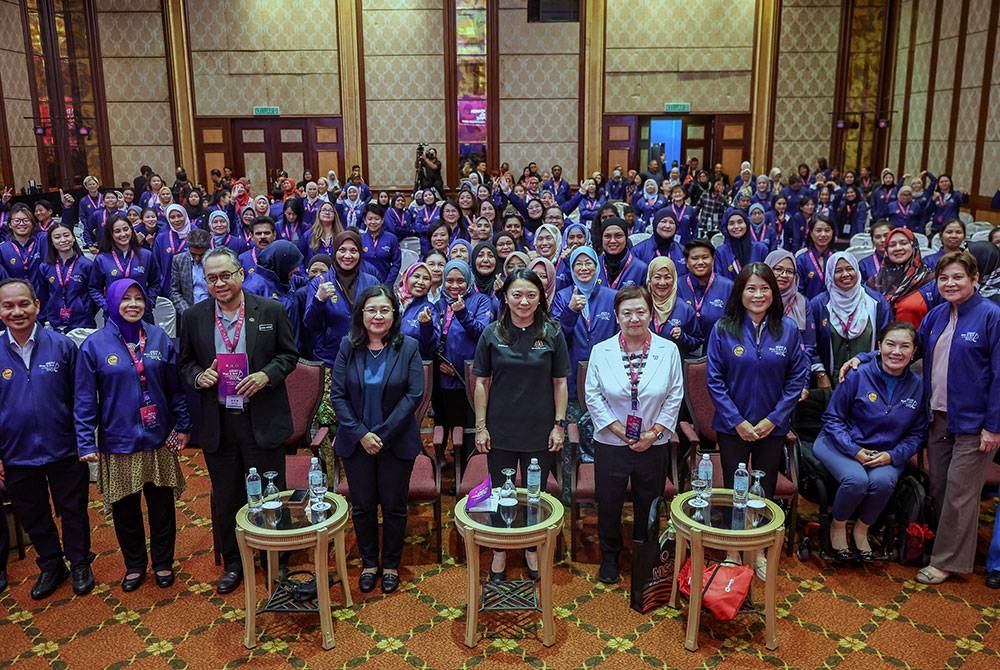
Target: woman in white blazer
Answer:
[[634, 391]]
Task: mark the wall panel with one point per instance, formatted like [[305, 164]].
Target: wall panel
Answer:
[[23, 150]]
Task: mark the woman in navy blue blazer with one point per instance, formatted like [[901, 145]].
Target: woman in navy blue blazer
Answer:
[[378, 381]]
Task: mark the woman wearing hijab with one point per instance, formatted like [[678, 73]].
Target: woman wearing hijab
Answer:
[[811, 264], [218, 226], [128, 392], [619, 267], [586, 313], [279, 272], [416, 311], [460, 249], [545, 271], [664, 241], [351, 207], [988, 261], [121, 257], [905, 280], [486, 269], [517, 260], [169, 243], [195, 208], [795, 305], [671, 319], [848, 317], [646, 204], [462, 315], [739, 249], [760, 230]]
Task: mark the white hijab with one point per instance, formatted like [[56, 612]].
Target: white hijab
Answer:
[[851, 310]]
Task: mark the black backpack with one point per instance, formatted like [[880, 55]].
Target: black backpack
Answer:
[[912, 518]]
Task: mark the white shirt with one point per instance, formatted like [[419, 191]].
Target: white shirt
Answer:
[[25, 351], [609, 389]]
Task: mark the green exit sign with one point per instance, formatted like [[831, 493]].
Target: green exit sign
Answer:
[[677, 107], [267, 111]]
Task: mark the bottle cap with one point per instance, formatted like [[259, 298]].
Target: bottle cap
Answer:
[[742, 466], [313, 460], [534, 461], [253, 471]]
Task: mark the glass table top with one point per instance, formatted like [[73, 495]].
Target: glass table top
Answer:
[[521, 515], [281, 514], [721, 514]]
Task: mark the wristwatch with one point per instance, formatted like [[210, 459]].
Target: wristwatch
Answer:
[[562, 423], [659, 434]]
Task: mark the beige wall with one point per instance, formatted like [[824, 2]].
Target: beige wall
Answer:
[[958, 81], [403, 57], [660, 51], [539, 91], [807, 69], [282, 54], [17, 95], [136, 84]]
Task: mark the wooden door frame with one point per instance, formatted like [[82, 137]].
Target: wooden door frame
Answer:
[[607, 144]]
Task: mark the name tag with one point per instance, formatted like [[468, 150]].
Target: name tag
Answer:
[[265, 326]]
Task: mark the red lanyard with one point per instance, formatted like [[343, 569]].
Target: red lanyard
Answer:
[[699, 303], [449, 315], [231, 344], [819, 271], [93, 203], [877, 262], [137, 361], [621, 274], [127, 270], [69, 273], [26, 258], [177, 244], [635, 373], [753, 233], [850, 320], [904, 211], [432, 215], [680, 216]]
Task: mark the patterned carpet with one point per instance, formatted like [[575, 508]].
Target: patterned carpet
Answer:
[[850, 618]]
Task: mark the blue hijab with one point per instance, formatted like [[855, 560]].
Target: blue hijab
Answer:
[[113, 299], [463, 267], [589, 287]]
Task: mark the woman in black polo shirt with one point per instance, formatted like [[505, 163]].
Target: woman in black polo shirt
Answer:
[[522, 415]]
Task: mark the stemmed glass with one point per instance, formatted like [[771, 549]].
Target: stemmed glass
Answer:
[[271, 489], [755, 501], [700, 488], [508, 498], [319, 493]]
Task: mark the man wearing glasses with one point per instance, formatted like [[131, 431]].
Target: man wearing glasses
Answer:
[[236, 350]]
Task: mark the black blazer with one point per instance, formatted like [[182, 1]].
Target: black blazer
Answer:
[[402, 391], [270, 349]]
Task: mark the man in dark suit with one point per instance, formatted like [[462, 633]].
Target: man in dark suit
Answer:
[[187, 277], [248, 426]]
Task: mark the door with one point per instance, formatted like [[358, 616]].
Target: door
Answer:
[[620, 135]]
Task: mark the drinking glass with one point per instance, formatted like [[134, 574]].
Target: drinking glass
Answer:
[[508, 510], [271, 489], [699, 486], [319, 494], [508, 490]]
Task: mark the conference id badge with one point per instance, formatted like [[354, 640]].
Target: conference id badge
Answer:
[[65, 313], [633, 427], [234, 402], [150, 417], [232, 369]]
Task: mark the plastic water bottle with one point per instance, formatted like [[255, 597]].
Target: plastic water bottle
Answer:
[[315, 476], [705, 472], [255, 497], [741, 486], [534, 481]]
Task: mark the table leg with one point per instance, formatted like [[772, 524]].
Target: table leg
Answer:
[[545, 568], [770, 591], [694, 602], [472, 568], [341, 558], [272, 561], [249, 591], [680, 555], [323, 587]]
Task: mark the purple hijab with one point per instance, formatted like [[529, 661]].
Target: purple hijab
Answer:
[[116, 292]]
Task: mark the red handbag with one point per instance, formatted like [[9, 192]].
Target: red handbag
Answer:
[[724, 587]]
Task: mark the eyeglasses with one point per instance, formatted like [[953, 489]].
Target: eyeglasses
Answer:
[[377, 311], [20, 219], [222, 276], [783, 272]]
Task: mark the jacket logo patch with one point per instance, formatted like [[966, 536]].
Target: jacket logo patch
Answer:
[[49, 366], [112, 359], [265, 326], [779, 350], [7, 374], [971, 336], [909, 403], [873, 396], [738, 350]]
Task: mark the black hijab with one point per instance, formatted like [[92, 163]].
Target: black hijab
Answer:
[[484, 282]]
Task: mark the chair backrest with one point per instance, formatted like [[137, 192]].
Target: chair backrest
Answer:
[[165, 315], [936, 243], [965, 217], [636, 238], [922, 239], [425, 400], [860, 253], [696, 396], [581, 384], [861, 240], [411, 243], [304, 387], [718, 240], [407, 257], [980, 236], [470, 384]]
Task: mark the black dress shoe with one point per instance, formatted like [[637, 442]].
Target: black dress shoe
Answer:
[[993, 579], [847, 555], [498, 577], [48, 582], [866, 556], [165, 581], [533, 575], [228, 581], [83, 579], [366, 582], [131, 584], [390, 582], [3, 580], [608, 572]]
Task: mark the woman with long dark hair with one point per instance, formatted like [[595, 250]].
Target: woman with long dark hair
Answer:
[[521, 414], [377, 385], [65, 296], [811, 264], [121, 257]]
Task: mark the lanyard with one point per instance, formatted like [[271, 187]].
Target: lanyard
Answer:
[[679, 216], [433, 214], [127, 270], [850, 320], [26, 257], [694, 296], [753, 232], [137, 361], [69, 273], [225, 242], [231, 344], [177, 244], [634, 373], [903, 211], [819, 271], [877, 262], [93, 203], [621, 273]]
